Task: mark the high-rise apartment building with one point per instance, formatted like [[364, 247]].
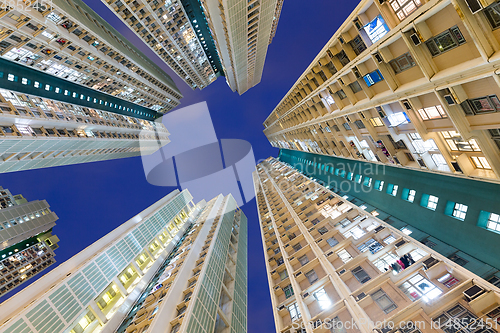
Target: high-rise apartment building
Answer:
[[334, 266], [243, 30], [27, 244], [38, 132], [201, 40], [174, 267], [74, 90], [70, 41], [410, 82]]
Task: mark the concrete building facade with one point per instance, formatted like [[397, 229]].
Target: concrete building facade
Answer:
[[336, 267], [411, 82]]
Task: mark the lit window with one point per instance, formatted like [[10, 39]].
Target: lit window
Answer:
[[429, 201], [456, 142], [376, 29], [448, 280], [480, 162], [432, 112], [389, 240], [66, 92], [398, 118], [379, 185], [409, 195], [10, 77], [75, 94], [24, 80], [392, 189], [344, 256], [385, 261], [368, 181], [493, 222], [406, 231], [419, 287], [376, 122], [459, 211], [323, 299], [37, 84], [294, 311], [57, 90], [47, 87], [355, 232], [403, 8]]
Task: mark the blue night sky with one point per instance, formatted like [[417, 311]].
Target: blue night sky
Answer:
[[94, 198]]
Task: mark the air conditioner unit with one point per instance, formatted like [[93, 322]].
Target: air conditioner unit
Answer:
[[319, 240], [474, 5], [379, 228], [273, 272], [356, 72], [277, 288], [428, 263], [342, 271], [358, 24], [378, 57], [381, 112], [297, 274], [473, 292], [281, 307], [415, 39], [407, 105], [360, 296], [347, 119], [329, 253], [304, 295], [341, 40], [456, 167], [341, 81], [381, 2], [449, 99], [287, 245]]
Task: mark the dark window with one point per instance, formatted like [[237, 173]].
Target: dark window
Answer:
[[355, 87], [323, 230], [486, 104], [15, 38], [341, 94], [344, 60], [358, 45], [445, 41], [402, 63], [359, 124], [360, 274], [493, 15], [459, 260]]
